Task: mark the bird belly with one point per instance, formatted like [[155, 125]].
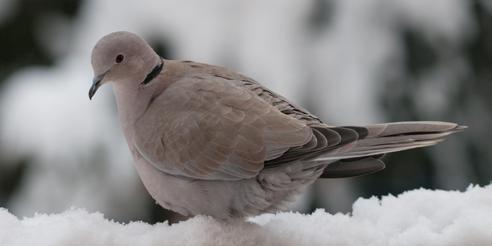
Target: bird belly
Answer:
[[220, 199], [268, 192]]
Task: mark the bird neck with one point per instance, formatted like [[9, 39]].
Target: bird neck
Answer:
[[130, 102]]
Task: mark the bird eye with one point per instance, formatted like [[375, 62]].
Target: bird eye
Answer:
[[119, 58]]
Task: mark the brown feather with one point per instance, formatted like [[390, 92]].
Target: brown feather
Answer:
[[212, 129]]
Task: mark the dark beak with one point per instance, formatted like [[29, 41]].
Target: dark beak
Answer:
[[96, 83]]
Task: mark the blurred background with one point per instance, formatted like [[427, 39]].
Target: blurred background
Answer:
[[348, 61]]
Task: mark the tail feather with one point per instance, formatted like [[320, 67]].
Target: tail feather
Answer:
[[352, 150], [352, 168], [408, 127], [391, 137], [401, 139], [381, 139]]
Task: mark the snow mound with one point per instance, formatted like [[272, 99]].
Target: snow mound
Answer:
[[418, 217]]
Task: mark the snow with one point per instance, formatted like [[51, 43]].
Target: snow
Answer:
[[418, 217]]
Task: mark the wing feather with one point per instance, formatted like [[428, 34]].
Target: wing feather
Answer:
[[213, 129]]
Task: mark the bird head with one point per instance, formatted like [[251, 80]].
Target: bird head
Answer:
[[122, 57]]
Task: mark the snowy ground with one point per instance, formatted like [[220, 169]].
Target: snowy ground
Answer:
[[419, 217]]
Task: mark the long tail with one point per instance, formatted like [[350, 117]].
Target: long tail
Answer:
[[373, 141]]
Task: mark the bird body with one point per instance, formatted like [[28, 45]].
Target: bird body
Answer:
[[208, 140]]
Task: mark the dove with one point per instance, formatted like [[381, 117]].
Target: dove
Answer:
[[207, 140]]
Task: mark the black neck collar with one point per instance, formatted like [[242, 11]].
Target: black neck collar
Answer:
[[155, 71]]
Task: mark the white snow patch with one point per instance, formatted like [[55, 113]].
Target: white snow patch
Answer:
[[418, 217]]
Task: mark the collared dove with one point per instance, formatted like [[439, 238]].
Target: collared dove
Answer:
[[207, 140]]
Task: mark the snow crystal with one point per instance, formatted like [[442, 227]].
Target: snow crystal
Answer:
[[419, 217]]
